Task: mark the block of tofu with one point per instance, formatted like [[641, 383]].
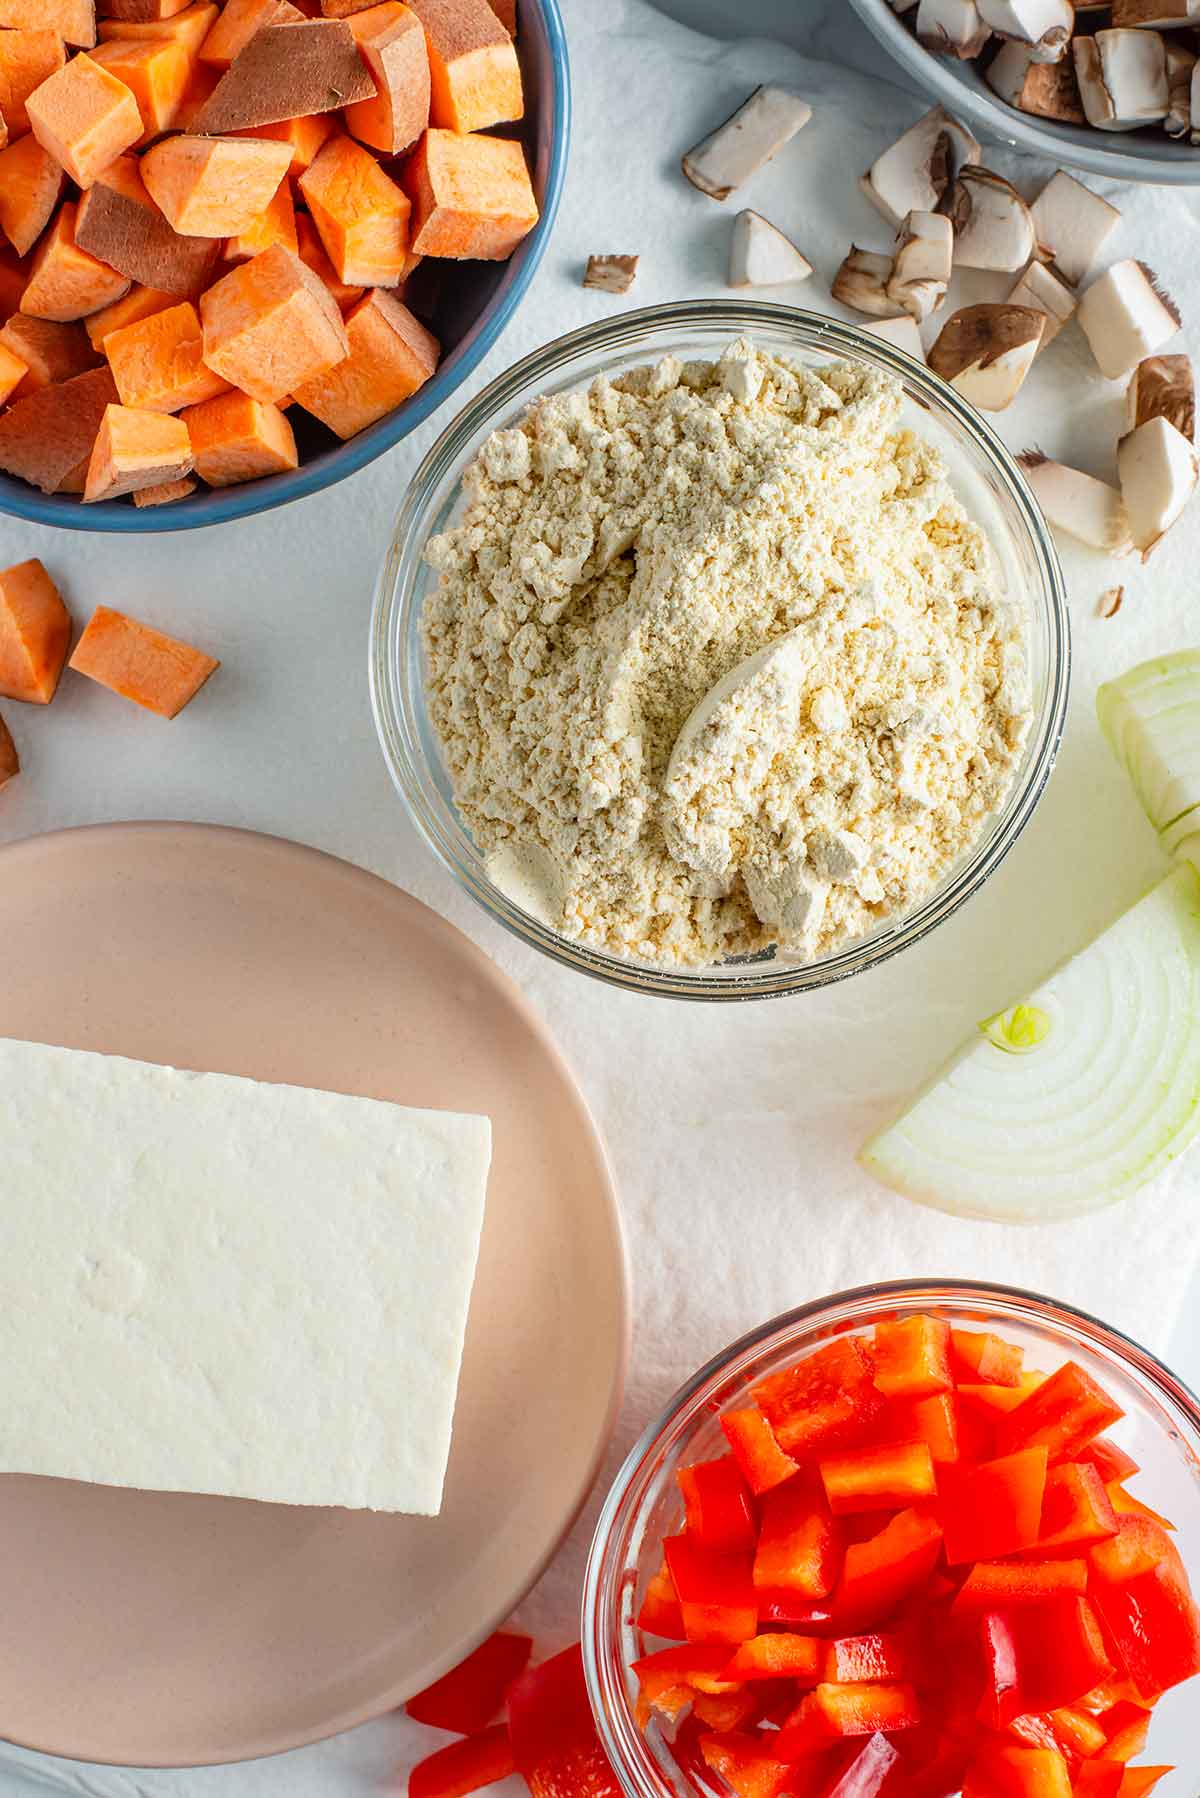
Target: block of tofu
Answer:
[[74, 20], [471, 196], [138, 303], [136, 449], [287, 71], [156, 72], [65, 282], [235, 438], [302, 1260], [277, 224], [85, 117], [27, 58], [361, 215], [391, 41], [158, 362], [189, 27], [46, 436], [476, 79], [10, 761], [35, 631], [31, 180], [163, 495], [50, 350], [214, 186], [120, 223], [271, 323], [391, 355]]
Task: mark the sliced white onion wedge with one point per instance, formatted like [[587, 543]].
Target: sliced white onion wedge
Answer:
[[1151, 717], [1075, 1098]]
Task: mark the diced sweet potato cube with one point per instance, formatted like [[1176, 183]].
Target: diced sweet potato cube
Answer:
[[471, 196], [202, 82], [73, 19], [143, 12], [276, 225], [239, 21], [119, 223], [305, 135], [270, 324], [345, 9], [135, 449], [45, 435], [235, 438], [85, 117], [391, 355], [391, 41], [12, 372], [76, 479], [30, 183], [51, 352], [189, 27], [35, 629], [285, 71], [65, 282], [361, 215], [155, 70], [158, 363], [162, 496], [214, 186], [138, 303], [154, 670], [474, 73], [10, 761], [312, 253], [27, 58]]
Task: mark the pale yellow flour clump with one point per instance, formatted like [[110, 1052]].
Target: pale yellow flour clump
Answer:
[[719, 663]]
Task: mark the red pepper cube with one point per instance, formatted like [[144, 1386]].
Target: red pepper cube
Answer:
[[879, 1573], [1018, 1773], [660, 1613], [1076, 1731], [553, 1733], [994, 1509], [1152, 1621], [999, 1585], [465, 1766], [746, 1765], [865, 1773], [1140, 1780], [985, 1359], [779, 1655], [1099, 1779], [669, 1680], [807, 1616], [1109, 1459], [1076, 1510], [1001, 1700], [756, 1450], [799, 1544], [468, 1697], [716, 1592], [878, 1479], [1061, 1652], [720, 1511], [932, 1420], [854, 1660], [1063, 1415], [1139, 1545], [725, 1711], [912, 1357], [1123, 1731], [829, 1398], [998, 1402], [831, 1712]]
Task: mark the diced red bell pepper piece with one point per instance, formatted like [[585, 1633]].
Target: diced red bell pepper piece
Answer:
[[1018, 1773], [1099, 1779], [878, 1479], [1109, 1459], [786, 1610], [1138, 1781], [997, 1402], [756, 1450], [1002, 1700], [799, 1544], [1153, 1622], [998, 1585], [1061, 1652], [720, 1510], [716, 1592], [1139, 1546], [1073, 1732], [661, 1614], [779, 1655], [932, 1764], [745, 1764], [723, 1711], [994, 1509], [468, 1697], [827, 1400], [831, 1712], [866, 1772], [1076, 1510], [1123, 1731], [668, 1679], [912, 1357], [879, 1573], [932, 1420], [1066, 1412], [554, 1741], [1126, 1505], [1109, 1693], [466, 1766], [987, 1360], [852, 1660]]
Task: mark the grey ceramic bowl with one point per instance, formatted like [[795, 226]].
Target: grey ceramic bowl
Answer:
[[1121, 156]]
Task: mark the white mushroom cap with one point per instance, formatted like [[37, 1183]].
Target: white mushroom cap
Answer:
[[1163, 387], [761, 125], [761, 256], [1122, 78], [1041, 287], [993, 227], [913, 173], [1072, 225], [921, 264], [985, 352], [1126, 316], [861, 283], [951, 28], [1045, 25], [1157, 466], [1048, 90], [1089, 510], [902, 332]]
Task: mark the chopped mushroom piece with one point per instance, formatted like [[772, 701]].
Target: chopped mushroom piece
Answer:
[[993, 227], [611, 274], [1163, 387], [921, 264], [861, 283], [1157, 466], [1042, 288], [761, 126], [985, 352], [1181, 69], [1087, 509], [1046, 25], [1049, 90], [761, 256], [951, 28], [1072, 225], [1159, 15], [1122, 78], [1126, 316], [900, 331], [914, 173], [1109, 603]]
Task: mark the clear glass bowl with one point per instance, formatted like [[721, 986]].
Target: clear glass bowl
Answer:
[[986, 479], [1161, 1430]]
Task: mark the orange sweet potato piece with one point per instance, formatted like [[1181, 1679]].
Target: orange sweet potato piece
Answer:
[[85, 117], [276, 225], [156, 72], [239, 21], [30, 183], [26, 59], [345, 9], [73, 19], [391, 42], [158, 363], [506, 12], [214, 186], [360, 213], [45, 435], [188, 28], [285, 71], [305, 135], [471, 196], [391, 355], [270, 324], [312, 253], [12, 372], [65, 282], [142, 12], [136, 449], [474, 74], [163, 495], [235, 438], [154, 670], [51, 352], [35, 629], [10, 761], [201, 85], [119, 223], [138, 303], [13, 276]]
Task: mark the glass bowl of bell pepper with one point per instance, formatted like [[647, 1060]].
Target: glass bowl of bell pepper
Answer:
[[912, 1541]]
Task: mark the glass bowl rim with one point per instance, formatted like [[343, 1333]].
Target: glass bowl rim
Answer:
[[396, 606], [638, 1773]]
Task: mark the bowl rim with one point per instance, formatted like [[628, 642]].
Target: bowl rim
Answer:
[[396, 600], [1066, 146], [222, 505], [638, 1774]]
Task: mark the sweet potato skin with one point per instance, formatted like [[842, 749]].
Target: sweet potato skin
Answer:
[[288, 71], [155, 671], [51, 351], [35, 630], [46, 435], [119, 223], [10, 761], [65, 282]]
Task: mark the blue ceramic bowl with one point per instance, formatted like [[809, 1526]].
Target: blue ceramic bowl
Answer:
[[473, 303]]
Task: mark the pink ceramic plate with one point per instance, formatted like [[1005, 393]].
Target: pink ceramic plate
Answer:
[[166, 1629]]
